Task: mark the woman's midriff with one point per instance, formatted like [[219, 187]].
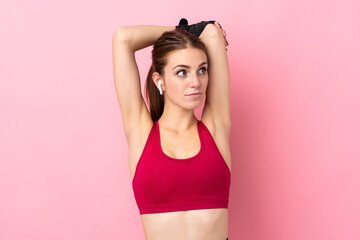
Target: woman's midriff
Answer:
[[200, 224]]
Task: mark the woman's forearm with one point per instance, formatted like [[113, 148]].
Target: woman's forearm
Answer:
[[140, 36]]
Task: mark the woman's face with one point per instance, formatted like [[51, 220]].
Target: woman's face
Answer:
[[186, 73]]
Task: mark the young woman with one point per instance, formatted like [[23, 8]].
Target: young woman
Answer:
[[180, 166]]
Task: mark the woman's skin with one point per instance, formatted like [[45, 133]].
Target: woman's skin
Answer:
[[179, 137]]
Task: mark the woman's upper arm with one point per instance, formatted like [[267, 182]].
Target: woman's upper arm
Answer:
[[217, 104], [127, 82]]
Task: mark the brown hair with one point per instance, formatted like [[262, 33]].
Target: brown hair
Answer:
[[169, 41]]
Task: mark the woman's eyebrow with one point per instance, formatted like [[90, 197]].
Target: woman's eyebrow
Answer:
[[186, 66]]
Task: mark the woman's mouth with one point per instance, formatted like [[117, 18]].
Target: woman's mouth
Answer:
[[194, 95]]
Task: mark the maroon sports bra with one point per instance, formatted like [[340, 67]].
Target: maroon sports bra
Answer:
[[165, 184]]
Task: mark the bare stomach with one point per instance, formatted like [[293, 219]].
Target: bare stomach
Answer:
[[200, 224]]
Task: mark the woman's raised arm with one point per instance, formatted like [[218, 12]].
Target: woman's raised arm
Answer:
[[126, 40], [140, 36], [217, 104]]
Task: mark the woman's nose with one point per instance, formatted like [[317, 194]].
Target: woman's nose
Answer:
[[195, 79]]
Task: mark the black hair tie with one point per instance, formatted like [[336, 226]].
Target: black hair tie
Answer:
[[195, 29]]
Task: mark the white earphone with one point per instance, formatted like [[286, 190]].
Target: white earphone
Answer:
[[159, 83]]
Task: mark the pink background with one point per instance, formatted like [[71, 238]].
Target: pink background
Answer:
[[295, 102]]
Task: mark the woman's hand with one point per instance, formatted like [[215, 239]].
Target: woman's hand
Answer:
[[223, 32]]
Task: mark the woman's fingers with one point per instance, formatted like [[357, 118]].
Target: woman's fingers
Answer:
[[223, 31]]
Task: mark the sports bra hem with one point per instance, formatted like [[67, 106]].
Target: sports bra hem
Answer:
[[183, 206]]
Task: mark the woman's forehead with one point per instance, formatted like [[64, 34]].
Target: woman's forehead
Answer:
[[192, 57]]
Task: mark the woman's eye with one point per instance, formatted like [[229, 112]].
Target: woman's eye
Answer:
[[203, 70], [181, 71]]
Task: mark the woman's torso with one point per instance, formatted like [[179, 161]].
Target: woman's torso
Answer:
[[192, 224]]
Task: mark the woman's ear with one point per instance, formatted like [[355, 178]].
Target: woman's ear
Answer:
[[158, 80], [156, 77]]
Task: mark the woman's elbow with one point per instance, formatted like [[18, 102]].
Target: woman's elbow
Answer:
[[121, 35]]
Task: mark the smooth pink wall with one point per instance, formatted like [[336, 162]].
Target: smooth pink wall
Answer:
[[295, 101]]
